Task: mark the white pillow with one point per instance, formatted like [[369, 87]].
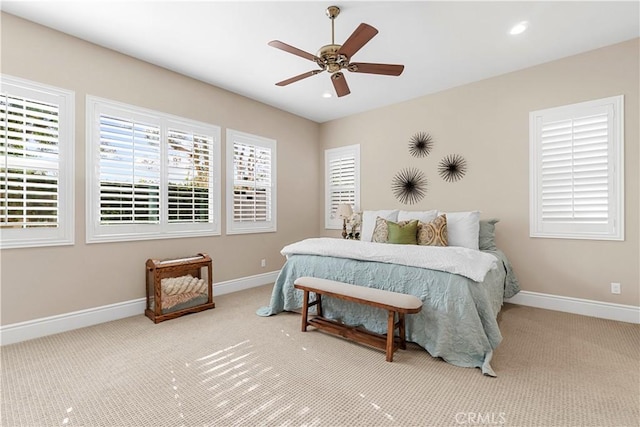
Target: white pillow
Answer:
[[424, 216], [463, 228], [369, 221]]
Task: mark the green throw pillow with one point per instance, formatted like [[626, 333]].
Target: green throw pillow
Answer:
[[403, 234]]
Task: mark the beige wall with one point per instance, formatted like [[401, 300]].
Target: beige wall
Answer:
[[487, 123], [43, 282]]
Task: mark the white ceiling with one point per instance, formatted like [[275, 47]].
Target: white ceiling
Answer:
[[442, 44]]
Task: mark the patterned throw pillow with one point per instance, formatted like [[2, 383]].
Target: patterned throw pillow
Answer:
[[381, 231], [433, 233]]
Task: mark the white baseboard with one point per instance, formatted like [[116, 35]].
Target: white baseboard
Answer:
[[243, 283], [603, 310], [37, 328]]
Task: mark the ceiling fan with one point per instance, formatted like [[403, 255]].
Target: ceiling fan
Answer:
[[334, 57]]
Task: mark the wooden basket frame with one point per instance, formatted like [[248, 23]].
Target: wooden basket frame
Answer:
[[156, 270]]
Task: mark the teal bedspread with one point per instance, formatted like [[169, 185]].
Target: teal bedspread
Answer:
[[458, 321]]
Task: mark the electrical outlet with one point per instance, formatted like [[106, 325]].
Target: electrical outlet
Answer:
[[615, 288], [263, 263]]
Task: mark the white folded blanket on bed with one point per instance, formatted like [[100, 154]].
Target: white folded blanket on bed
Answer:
[[452, 259]]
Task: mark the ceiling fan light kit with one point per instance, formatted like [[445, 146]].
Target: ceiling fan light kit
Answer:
[[334, 57]]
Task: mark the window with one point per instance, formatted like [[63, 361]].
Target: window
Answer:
[[342, 182], [150, 175], [251, 183], [37, 148], [577, 171]]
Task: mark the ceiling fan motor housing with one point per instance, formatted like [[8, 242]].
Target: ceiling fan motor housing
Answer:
[[330, 60]]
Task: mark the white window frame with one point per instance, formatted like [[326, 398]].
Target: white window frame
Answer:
[[245, 227], [97, 232], [611, 226], [331, 221], [63, 233]]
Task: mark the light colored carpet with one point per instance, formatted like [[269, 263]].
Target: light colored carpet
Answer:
[[228, 366]]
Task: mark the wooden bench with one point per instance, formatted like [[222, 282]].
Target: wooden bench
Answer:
[[393, 302]]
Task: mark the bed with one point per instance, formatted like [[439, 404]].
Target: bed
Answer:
[[462, 291]]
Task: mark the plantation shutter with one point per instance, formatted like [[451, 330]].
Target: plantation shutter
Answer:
[[29, 147], [342, 182], [189, 175], [577, 172], [251, 183], [575, 181], [129, 171]]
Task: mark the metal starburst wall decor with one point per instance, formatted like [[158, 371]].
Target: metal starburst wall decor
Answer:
[[420, 144], [409, 186], [452, 167]]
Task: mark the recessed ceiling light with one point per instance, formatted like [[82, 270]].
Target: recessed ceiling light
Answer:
[[519, 28], [326, 94]]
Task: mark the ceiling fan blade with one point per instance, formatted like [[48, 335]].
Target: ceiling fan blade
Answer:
[[340, 84], [298, 77], [386, 69], [357, 39], [288, 48]]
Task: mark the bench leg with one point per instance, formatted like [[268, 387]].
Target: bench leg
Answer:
[[305, 310], [402, 331], [391, 327], [319, 305]]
